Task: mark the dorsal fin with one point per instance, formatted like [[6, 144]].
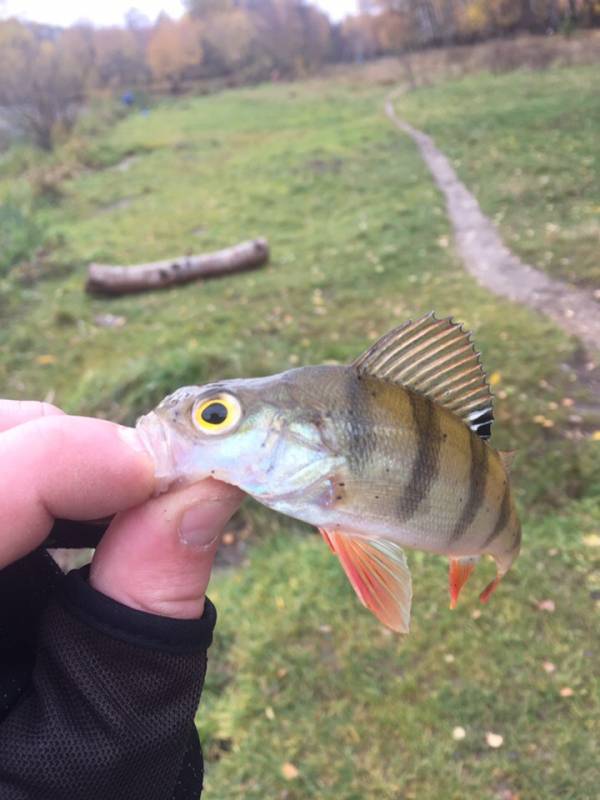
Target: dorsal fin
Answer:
[[437, 358]]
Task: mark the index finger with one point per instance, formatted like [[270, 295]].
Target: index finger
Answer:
[[16, 412], [69, 467]]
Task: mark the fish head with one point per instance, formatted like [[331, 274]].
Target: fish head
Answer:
[[261, 434]]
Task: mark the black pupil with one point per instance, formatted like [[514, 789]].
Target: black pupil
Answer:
[[215, 414]]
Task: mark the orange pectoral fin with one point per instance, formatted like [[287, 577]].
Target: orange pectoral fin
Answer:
[[378, 572], [460, 569]]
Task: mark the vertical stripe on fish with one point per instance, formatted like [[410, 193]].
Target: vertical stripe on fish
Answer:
[[477, 483], [426, 465], [503, 516], [362, 435]]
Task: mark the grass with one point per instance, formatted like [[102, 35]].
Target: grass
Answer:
[[300, 674], [526, 144]]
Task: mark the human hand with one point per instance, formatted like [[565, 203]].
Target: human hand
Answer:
[[157, 555]]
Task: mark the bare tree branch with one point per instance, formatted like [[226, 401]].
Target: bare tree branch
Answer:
[[115, 280]]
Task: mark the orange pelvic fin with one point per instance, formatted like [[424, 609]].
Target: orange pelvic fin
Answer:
[[460, 569], [379, 574]]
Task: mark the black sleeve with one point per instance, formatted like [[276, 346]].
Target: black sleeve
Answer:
[[109, 711]]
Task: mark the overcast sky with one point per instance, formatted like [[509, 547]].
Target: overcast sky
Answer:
[[111, 12]]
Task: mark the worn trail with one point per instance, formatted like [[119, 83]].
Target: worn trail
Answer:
[[489, 261]]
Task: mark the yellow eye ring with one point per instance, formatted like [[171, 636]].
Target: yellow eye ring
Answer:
[[217, 414]]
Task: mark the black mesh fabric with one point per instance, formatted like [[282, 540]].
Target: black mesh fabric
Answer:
[[105, 699]]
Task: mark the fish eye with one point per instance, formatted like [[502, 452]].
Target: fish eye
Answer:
[[217, 414]]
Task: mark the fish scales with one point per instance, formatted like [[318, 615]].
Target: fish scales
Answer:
[[380, 454], [432, 475]]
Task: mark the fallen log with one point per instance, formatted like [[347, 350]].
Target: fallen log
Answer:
[[114, 280]]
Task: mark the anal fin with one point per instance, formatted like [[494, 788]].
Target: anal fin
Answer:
[[460, 569], [379, 574]]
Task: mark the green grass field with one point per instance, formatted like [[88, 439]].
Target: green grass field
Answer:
[[307, 695], [526, 144]]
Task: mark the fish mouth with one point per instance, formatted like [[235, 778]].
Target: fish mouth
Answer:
[[163, 447]]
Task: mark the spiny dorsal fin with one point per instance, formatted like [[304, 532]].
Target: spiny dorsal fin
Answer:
[[437, 358]]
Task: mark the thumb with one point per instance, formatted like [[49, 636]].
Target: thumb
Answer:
[[158, 557]]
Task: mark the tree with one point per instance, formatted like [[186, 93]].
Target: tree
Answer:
[[42, 80], [359, 37], [174, 47], [120, 56], [227, 39], [207, 8]]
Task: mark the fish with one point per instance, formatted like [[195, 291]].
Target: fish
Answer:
[[389, 452]]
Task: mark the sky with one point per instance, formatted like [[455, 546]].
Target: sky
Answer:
[[112, 12]]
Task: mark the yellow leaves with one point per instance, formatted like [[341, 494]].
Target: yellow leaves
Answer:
[[494, 740], [230, 33], [173, 46], [540, 419], [595, 437], [495, 378], [269, 713], [591, 540], [45, 359], [289, 771]]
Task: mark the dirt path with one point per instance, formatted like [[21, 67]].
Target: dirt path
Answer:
[[490, 262]]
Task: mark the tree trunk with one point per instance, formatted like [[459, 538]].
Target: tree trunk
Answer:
[[115, 280]]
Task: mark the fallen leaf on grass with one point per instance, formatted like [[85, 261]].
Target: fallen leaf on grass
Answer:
[[547, 605], [494, 740], [549, 667], [458, 733], [592, 540], [507, 794], [269, 713], [566, 691], [495, 378], [596, 436], [44, 359], [109, 321], [289, 771]]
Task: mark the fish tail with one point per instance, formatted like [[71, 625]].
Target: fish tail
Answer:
[[504, 561]]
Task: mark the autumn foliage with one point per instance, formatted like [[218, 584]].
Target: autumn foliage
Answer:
[[46, 72], [175, 46]]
